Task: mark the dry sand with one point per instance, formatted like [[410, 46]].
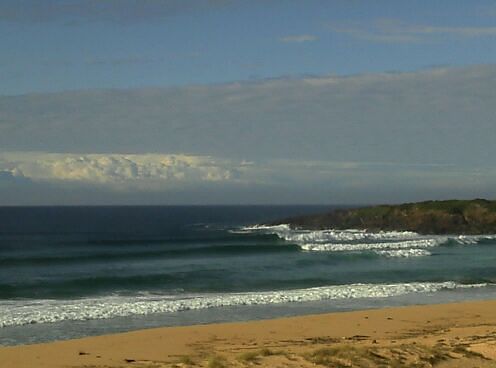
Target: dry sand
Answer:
[[450, 335]]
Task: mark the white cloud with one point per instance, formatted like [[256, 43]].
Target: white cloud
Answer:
[[298, 38], [120, 171], [55, 178], [394, 31]]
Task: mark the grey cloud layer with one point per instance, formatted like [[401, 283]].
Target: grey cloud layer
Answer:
[[430, 116]]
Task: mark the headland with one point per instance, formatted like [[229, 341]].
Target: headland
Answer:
[[465, 217]]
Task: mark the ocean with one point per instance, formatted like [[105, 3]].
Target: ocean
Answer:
[[68, 272]]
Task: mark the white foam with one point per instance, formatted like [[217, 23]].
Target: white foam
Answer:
[[346, 235], [403, 253], [22, 312], [268, 228], [472, 239], [387, 243], [285, 232], [351, 247]]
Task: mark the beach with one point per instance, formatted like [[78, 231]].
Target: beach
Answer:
[[444, 335]]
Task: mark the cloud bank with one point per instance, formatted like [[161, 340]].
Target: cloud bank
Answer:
[[61, 178], [118, 171], [312, 139]]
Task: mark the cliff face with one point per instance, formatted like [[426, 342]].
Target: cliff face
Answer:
[[433, 217]]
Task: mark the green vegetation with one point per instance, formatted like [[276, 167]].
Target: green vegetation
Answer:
[[345, 355], [216, 361], [476, 216], [186, 360], [249, 357], [254, 356], [410, 356]]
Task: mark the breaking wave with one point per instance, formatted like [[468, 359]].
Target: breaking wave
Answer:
[[23, 312], [384, 243]]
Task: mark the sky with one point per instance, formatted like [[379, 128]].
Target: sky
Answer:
[[246, 102]]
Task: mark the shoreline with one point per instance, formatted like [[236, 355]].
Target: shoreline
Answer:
[[37, 333], [456, 333]]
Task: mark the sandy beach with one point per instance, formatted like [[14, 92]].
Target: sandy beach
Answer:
[[449, 335]]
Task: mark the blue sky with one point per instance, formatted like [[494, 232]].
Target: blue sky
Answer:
[[240, 102], [51, 46]]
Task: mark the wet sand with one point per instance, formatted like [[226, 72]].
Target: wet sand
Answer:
[[448, 335]]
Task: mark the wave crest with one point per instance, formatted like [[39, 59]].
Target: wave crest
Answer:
[[385, 243], [24, 312]]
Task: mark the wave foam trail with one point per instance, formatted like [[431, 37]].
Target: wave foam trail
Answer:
[[472, 239], [322, 236], [403, 253], [24, 312], [342, 247], [385, 243], [267, 229]]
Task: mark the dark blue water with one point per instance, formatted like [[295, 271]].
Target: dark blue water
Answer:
[[67, 266], [68, 252]]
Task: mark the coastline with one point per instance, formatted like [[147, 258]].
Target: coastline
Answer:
[[450, 335]]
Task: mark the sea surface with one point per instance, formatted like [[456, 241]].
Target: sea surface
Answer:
[[69, 272]]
